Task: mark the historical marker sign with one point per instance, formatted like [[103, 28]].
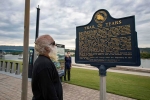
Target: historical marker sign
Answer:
[[107, 41]]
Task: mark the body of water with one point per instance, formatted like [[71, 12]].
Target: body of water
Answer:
[[145, 63], [12, 57]]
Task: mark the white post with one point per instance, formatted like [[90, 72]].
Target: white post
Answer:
[[25, 51], [1, 62], [18, 69], [12, 67], [3, 66], [8, 67]]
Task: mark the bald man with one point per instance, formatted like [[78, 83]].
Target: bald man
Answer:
[[46, 84]]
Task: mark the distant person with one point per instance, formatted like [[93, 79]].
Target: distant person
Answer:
[[46, 84], [67, 66]]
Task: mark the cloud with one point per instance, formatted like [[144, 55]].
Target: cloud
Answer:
[[59, 18]]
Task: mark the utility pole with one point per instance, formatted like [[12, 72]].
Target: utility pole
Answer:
[[25, 51], [37, 23], [36, 36], [37, 30]]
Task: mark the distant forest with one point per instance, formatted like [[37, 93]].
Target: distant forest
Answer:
[[21, 48], [145, 50], [3, 47]]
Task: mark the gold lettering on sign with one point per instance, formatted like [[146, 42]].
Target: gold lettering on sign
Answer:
[[89, 27], [109, 24], [105, 44]]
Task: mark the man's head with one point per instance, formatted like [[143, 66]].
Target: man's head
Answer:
[[68, 54], [45, 45]]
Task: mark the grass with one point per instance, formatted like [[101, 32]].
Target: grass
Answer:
[[133, 86]]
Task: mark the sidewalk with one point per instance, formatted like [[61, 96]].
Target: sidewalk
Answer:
[[10, 89]]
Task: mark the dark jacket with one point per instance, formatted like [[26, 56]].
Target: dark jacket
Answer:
[[68, 62], [46, 84]]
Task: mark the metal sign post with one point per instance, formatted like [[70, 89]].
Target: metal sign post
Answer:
[[102, 87], [102, 73], [108, 42]]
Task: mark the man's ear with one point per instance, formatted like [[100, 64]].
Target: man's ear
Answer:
[[47, 49]]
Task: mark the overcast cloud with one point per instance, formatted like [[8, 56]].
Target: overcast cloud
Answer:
[[59, 18]]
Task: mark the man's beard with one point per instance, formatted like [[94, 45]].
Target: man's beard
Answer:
[[53, 53]]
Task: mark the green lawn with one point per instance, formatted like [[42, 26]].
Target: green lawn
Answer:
[[132, 86]]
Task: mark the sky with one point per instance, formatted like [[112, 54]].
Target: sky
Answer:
[[59, 18]]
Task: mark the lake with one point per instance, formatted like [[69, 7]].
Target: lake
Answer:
[[145, 63], [12, 57]]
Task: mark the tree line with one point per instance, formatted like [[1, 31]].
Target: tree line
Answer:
[[145, 55]]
